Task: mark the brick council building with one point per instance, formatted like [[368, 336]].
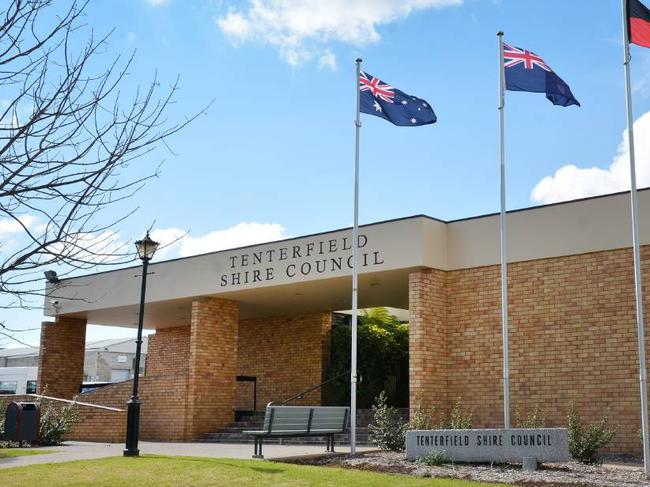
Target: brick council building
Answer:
[[266, 311]]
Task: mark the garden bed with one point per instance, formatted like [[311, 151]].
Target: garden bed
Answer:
[[571, 474]]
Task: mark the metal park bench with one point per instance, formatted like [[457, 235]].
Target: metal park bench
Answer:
[[296, 421]]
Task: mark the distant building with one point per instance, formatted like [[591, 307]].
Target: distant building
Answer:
[[112, 360], [19, 357], [104, 361]]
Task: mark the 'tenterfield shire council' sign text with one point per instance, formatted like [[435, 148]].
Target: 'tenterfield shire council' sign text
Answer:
[[296, 260], [490, 445]]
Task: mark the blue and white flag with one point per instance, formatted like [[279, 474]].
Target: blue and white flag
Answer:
[[526, 71], [382, 100]]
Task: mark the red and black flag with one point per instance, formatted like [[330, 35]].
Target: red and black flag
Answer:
[[638, 17]]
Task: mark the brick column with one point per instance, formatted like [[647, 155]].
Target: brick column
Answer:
[[61, 357], [212, 365], [427, 340]]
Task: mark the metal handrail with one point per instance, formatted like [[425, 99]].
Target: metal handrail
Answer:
[[302, 394]]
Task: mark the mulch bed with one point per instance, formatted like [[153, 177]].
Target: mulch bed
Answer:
[[570, 474]]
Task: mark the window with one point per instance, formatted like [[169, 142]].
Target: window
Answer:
[[8, 387], [121, 359], [31, 387]]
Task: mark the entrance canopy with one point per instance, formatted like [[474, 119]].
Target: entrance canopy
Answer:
[[312, 273]]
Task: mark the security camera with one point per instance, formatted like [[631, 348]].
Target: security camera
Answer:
[[54, 302]]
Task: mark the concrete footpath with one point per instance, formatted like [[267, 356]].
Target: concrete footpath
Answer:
[[81, 450]]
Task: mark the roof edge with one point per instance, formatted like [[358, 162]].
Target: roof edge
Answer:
[[548, 205], [381, 222]]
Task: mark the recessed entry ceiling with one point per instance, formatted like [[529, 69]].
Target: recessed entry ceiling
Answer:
[[388, 288]]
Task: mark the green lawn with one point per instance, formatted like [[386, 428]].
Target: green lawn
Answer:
[[20, 452], [176, 471]]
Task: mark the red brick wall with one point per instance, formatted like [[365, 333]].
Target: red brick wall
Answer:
[[93, 423], [212, 365], [572, 339], [163, 405], [169, 350], [428, 339], [102, 425], [283, 367], [61, 359], [286, 354]]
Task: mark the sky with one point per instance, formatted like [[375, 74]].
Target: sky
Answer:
[[273, 156]]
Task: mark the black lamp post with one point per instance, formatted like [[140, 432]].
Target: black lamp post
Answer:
[[146, 248]]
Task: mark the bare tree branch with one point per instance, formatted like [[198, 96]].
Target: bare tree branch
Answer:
[[71, 146], [8, 335]]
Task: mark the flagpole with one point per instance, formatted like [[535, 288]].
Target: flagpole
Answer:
[[502, 226], [355, 273], [643, 376]]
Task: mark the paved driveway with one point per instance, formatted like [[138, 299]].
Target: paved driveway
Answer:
[[78, 450]]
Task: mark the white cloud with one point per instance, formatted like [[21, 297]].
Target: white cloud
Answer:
[[300, 28], [100, 248], [8, 226], [169, 239], [327, 60], [245, 233], [97, 247], [571, 182]]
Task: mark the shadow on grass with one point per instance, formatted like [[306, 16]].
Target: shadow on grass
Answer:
[[267, 470], [270, 469]]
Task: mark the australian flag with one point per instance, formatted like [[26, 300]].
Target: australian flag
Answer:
[[382, 100], [526, 71]]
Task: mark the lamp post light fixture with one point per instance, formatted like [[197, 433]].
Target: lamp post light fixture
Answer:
[[146, 248]]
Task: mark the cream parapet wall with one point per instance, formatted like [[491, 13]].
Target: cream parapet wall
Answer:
[[393, 245], [576, 227]]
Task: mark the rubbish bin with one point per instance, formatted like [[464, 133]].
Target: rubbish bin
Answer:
[[22, 422]]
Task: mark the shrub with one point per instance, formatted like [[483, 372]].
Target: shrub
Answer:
[[422, 419], [585, 441], [56, 421], [460, 419], [3, 444], [534, 419], [433, 459], [388, 429], [382, 348]]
